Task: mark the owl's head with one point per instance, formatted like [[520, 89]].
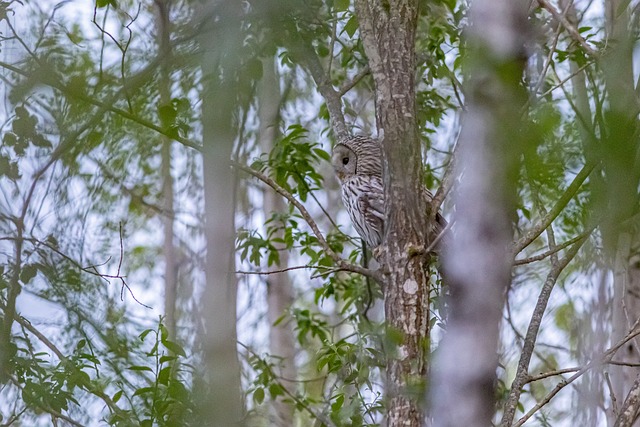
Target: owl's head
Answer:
[[344, 161], [357, 155]]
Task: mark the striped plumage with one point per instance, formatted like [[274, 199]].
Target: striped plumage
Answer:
[[357, 161]]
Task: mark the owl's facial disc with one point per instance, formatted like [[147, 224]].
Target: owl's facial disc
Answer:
[[343, 161]]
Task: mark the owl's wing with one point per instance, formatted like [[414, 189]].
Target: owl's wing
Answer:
[[371, 204]]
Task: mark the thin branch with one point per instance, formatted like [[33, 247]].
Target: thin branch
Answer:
[[533, 378], [376, 275], [439, 237], [522, 373], [566, 79], [571, 29], [331, 96], [554, 250], [284, 270], [552, 50], [526, 239], [604, 359], [354, 81], [447, 183]]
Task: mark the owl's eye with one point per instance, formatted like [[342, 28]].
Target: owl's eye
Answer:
[[345, 160]]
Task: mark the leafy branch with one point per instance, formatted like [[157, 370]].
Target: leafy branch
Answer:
[[342, 264]]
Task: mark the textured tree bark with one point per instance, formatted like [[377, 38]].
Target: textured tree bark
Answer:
[[477, 260], [626, 311], [220, 403], [388, 34], [279, 287], [631, 407]]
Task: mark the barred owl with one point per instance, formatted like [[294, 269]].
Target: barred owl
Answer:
[[357, 161]]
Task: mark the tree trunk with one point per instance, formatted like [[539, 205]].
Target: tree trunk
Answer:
[[279, 287], [220, 405], [169, 252], [620, 193], [626, 311], [477, 260], [388, 34]]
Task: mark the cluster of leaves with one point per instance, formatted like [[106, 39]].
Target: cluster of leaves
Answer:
[[168, 399], [24, 133]]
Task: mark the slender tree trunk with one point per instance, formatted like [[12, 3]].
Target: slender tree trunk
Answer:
[[279, 287], [626, 311], [169, 250], [388, 34], [592, 388], [620, 153], [220, 37], [477, 259]]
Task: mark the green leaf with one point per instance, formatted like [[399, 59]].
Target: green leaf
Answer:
[[9, 168], [140, 368], [165, 359], [174, 348], [351, 26], [335, 406], [341, 5], [167, 115], [280, 319], [275, 390], [258, 395], [117, 396], [254, 69], [144, 334], [10, 139], [28, 272], [105, 3], [164, 375], [143, 390], [322, 154]]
